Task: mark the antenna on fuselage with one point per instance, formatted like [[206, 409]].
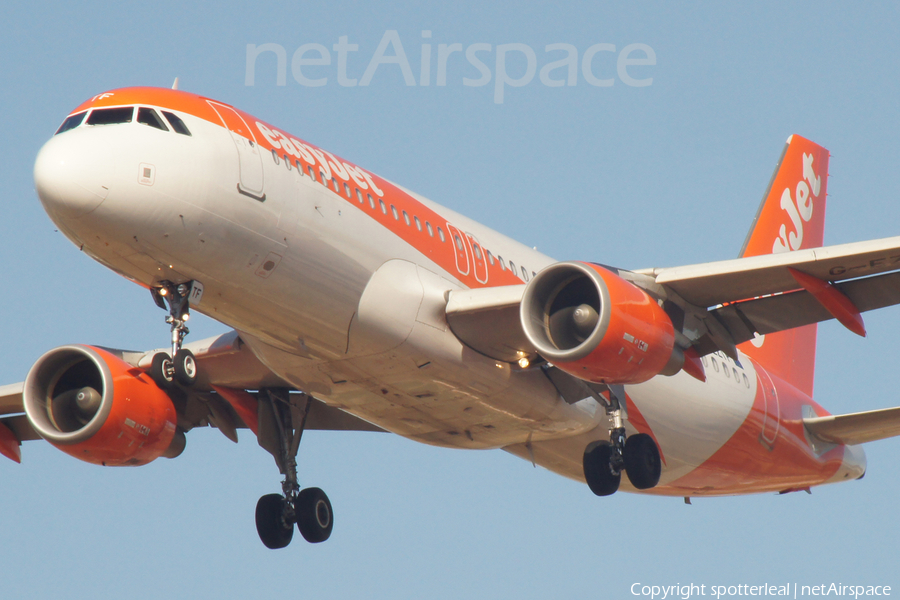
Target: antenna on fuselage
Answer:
[[175, 85]]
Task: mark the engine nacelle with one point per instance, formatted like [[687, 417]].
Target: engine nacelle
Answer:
[[598, 327], [98, 408]]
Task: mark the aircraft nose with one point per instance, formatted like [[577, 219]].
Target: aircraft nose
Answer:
[[72, 174]]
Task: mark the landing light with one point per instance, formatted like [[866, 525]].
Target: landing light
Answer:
[[163, 292], [524, 362]]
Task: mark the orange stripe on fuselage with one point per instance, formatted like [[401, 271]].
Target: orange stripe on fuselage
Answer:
[[747, 464], [442, 253]]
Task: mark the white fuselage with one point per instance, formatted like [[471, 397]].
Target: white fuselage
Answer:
[[340, 306]]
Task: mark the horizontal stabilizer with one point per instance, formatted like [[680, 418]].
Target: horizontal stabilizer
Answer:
[[856, 428]]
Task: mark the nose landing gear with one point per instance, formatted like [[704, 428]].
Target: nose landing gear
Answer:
[[180, 366], [638, 456], [282, 419]]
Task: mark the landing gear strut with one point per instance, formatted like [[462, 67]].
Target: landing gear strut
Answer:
[[638, 456], [282, 419], [180, 366]]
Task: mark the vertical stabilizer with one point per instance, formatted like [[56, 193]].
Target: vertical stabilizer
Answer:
[[791, 217]]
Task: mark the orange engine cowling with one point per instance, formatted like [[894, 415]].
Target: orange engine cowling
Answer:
[[98, 408], [598, 327]]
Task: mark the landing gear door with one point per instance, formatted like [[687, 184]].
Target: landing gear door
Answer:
[[249, 159]]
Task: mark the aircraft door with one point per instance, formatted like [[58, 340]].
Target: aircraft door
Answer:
[[249, 159], [481, 270], [461, 248], [771, 421]]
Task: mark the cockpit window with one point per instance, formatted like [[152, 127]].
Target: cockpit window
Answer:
[[111, 116], [148, 116], [177, 124], [71, 123]]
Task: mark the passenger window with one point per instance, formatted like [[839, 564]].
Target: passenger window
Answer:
[[287, 162], [502, 264], [441, 234], [148, 116], [274, 156], [299, 167], [725, 370], [715, 364], [359, 195], [371, 201], [322, 178], [383, 207], [477, 250], [334, 184], [737, 376], [746, 381], [312, 173], [459, 244], [71, 123], [395, 213], [418, 223], [347, 191], [178, 125], [524, 274], [490, 257], [512, 267], [111, 116], [406, 217], [430, 230]]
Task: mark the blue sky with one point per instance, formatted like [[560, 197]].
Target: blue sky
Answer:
[[661, 175]]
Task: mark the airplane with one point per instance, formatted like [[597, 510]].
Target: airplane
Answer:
[[358, 305]]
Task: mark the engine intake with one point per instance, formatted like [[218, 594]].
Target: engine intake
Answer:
[[99, 409], [594, 325]]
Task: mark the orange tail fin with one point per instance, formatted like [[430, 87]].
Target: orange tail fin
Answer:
[[791, 217]]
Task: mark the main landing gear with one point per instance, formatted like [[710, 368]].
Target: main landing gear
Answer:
[[282, 419], [180, 366], [637, 455]]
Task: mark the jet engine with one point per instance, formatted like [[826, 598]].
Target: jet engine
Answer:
[[98, 408], [596, 326]]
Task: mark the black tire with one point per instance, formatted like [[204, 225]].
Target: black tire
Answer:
[[161, 370], [315, 519], [642, 463], [597, 472], [273, 531], [185, 367]]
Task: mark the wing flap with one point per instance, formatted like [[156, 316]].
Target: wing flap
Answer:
[[856, 428], [798, 308], [715, 283]]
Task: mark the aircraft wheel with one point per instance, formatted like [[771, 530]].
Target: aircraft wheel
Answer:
[[270, 525], [642, 463], [185, 367], [315, 518], [162, 370], [597, 470]]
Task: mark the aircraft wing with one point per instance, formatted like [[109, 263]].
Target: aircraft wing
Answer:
[[733, 300], [226, 363], [856, 428], [760, 295], [711, 284]]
